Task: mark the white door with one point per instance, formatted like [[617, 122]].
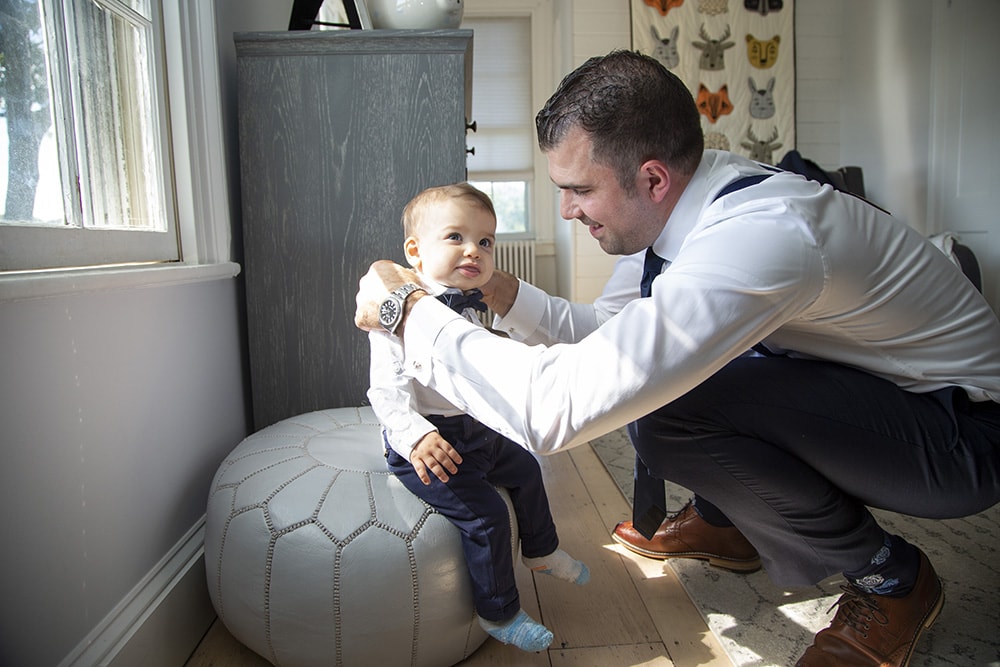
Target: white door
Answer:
[[964, 184]]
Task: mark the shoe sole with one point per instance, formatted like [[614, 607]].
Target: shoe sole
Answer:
[[925, 625], [742, 566]]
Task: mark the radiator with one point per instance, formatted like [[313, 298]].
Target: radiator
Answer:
[[516, 257]]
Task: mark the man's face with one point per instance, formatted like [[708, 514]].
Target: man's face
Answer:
[[623, 223]]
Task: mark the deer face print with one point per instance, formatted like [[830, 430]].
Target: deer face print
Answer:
[[712, 50]]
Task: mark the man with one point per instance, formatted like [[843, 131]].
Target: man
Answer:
[[876, 383]]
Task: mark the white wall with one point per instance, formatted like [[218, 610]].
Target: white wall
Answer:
[[117, 404], [116, 408], [886, 102]]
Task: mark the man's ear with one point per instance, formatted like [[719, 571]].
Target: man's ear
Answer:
[[411, 248], [654, 179]]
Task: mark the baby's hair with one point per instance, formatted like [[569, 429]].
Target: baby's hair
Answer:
[[414, 210]]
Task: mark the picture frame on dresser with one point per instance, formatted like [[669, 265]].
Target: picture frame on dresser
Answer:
[[305, 12]]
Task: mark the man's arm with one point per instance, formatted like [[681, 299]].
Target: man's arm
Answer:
[[384, 276], [506, 415]]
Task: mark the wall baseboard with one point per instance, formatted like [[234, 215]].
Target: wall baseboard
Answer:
[[160, 622]]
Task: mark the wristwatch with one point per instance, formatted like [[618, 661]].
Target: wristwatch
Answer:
[[390, 313]]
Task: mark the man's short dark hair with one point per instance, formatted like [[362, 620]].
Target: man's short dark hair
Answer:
[[634, 110]]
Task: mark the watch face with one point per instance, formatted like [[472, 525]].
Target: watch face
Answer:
[[388, 312]]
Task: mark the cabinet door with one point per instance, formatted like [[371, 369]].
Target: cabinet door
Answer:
[[337, 132]]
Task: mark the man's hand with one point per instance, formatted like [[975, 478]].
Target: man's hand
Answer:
[[383, 276], [500, 291], [434, 454]]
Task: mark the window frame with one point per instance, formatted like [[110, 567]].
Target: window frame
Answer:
[[194, 190], [200, 193], [541, 194]]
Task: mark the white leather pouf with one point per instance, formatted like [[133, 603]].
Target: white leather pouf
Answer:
[[316, 555]]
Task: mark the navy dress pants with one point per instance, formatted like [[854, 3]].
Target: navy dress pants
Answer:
[[470, 501], [794, 453]]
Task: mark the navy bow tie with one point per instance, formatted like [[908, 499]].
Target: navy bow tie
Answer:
[[458, 301]]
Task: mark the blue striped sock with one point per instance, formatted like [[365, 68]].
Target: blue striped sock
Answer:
[[522, 631]]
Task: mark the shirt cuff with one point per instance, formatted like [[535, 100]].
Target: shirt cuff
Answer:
[[403, 442], [424, 324], [526, 314]]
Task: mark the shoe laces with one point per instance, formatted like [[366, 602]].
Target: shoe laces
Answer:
[[859, 610]]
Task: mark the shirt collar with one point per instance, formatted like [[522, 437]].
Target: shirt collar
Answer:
[[435, 288], [714, 172]]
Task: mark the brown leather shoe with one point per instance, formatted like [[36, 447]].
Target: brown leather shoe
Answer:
[[687, 535], [877, 630]]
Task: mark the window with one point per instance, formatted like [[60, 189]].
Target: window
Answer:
[[501, 105], [510, 201], [85, 161], [512, 78]]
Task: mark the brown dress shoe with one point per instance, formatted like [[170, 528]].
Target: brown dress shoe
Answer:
[[687, 535], [877, 630]]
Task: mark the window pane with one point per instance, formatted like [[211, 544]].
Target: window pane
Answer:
[[501, 95], [96, 186], [510, 200], [117, 120], [30, 190]]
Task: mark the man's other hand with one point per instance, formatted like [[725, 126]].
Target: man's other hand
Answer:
[[501, 290]]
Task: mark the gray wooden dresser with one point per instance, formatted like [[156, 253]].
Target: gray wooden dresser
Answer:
[[338, 130]]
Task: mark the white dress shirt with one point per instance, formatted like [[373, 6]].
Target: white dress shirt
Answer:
[[811, 272], [399, 403]]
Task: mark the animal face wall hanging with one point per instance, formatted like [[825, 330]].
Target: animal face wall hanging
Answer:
[[737, 57]]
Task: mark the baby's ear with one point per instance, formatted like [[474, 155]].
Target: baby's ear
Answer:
[[411, 248]]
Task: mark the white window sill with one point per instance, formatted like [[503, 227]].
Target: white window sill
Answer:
[[22, 286]]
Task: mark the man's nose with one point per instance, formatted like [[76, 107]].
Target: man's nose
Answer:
[[567, 206]]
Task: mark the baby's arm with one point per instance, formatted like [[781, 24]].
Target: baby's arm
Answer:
[[408, 432]]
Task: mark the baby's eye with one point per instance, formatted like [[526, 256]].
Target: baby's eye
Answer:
[[454, 236], [486, 243]]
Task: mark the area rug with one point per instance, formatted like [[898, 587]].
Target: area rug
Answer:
[[760, 624]]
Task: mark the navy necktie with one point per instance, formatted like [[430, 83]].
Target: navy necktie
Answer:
[[649, 501], [457, 301], [650, 269]]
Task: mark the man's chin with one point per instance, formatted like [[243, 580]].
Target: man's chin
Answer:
[[611, 246]]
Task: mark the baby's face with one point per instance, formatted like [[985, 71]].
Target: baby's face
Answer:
[[454, 244]]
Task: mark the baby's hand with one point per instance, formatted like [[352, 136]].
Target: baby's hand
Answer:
[[434, 454]]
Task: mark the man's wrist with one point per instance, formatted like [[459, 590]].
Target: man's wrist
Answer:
[[392, 310], [411, 300]]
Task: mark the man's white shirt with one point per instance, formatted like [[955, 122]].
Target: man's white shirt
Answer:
[[810, 272]]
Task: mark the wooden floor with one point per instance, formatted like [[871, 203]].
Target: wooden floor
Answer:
[[633, 612]]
